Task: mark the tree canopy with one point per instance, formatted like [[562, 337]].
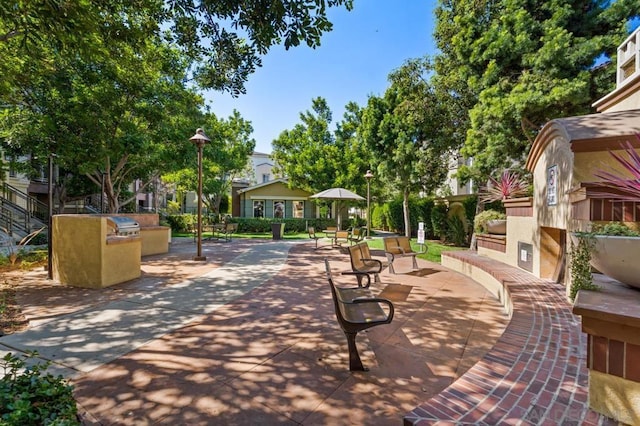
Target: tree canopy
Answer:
[[516, 65], [111, 87], [404, 131], [315, 158]]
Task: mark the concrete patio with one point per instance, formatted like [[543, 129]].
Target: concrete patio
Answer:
[[250, 337]]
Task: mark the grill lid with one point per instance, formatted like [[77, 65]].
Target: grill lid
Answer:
[[122, 225]]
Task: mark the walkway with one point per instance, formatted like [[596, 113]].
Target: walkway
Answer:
[[249, 337], [535, 374]]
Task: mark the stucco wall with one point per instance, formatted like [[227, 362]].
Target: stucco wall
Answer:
[[83, 256], [557, 152]]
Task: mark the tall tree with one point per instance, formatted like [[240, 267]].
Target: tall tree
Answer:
[[105, 84], [404, 130], [516, 65], [315, 158], [227, 156]]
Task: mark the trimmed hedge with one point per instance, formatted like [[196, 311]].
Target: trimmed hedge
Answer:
[[186, 221]]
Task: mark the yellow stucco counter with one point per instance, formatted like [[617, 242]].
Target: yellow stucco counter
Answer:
[[85, 255]]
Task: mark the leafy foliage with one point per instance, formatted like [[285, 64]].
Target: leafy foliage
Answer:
[[455, 232], [439, 221], [481, 219], [615, 229], [403, 130], [508, 185], [314, 158], [580, 266], [512, 66], [31, 396]]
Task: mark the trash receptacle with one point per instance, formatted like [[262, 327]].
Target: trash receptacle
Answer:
[[277, 229]]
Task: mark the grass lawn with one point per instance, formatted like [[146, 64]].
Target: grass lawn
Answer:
[[433, 252]]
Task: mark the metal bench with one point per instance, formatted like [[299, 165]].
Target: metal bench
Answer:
[[313, 235], [356, 310], [395, 247], [362, 262], [357, 235]]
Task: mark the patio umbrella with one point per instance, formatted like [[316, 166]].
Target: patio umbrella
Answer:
[[338, 195]]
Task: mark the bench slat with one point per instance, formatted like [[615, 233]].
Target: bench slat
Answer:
[[357, 309]]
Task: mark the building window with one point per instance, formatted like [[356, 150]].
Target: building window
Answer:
[[278, 209], [298, 209], [265, 177], [258, 209]]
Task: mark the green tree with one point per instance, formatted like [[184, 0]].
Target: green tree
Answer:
[[314, 158], [404, 131], [516, 65], [226, 157], [119, 121]]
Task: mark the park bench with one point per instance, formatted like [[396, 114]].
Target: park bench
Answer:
[[340, 238], [362, 262], [313, 235], [357, 235], [228, 231], [356, 310], [399, 247]]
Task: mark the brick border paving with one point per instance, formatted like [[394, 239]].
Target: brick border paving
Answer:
[[535, 374]]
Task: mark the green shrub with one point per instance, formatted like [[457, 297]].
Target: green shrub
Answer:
[[439, 221], [580, 264], [396, 216], [31, 396], [455, 232], [615, 229], [181, 222], [470, 206], [424, 206], [481, 219], [379, 217]]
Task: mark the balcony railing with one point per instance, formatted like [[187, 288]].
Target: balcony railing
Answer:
[[629, 59]]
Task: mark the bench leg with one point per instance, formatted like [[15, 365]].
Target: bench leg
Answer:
[[376, 277], [355, 363], [390, 260], [415, 262]]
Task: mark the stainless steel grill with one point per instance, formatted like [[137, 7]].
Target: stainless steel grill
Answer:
[[122, 226]]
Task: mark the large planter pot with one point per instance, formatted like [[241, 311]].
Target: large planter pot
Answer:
[[618, 258], [497, 226]]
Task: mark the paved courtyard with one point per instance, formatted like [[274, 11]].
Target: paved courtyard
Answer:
[[250, 337]]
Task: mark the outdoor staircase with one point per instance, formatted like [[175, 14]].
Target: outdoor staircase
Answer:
[[20, 213]]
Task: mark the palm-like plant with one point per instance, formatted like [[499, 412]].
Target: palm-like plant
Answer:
[[628, 189], [509, 185]]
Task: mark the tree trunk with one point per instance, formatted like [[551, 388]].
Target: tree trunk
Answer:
[[474, 240], [405, 210]]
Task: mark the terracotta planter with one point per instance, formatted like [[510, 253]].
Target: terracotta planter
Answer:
[[617, 257], [497, 226]]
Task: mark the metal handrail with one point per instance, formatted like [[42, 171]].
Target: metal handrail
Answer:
[[32, 206]]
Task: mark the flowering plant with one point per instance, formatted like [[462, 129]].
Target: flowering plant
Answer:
[[509, 185], [628, 188]]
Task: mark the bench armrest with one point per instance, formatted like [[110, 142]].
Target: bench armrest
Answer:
[[365, 260], [360, 274], [387, 302]]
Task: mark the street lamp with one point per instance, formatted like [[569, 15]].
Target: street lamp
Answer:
[[368, 177], [199, 139], [50, 227]]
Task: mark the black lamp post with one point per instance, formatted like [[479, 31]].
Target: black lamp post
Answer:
[[199, 139], [368, 177]]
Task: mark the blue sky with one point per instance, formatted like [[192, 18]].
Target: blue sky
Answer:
[[353, 62]]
